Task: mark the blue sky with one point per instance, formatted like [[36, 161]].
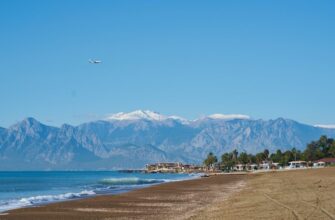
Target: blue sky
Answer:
[[266, 59]]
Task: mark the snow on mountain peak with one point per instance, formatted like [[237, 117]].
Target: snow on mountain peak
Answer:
[[228, 117], [155, 116], [140, 114], [325, 126]]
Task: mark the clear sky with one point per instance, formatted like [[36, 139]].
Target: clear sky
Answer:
[[266, 59]]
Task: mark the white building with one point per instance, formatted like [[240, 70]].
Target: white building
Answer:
[[239, 167], [265, 165], [297, 164], [252, 167], [319, 164]]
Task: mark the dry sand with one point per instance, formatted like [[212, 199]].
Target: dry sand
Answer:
[[303, 194], [300, 194]]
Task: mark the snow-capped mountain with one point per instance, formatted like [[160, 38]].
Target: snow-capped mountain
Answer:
[[228, 117], [142, 115], [325, 126], [155, 116], [130, 140]]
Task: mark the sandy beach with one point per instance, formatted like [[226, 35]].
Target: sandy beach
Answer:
[[298, 194], [301, 194], [174, 200]]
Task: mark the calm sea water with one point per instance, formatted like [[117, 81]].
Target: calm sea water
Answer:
[[21, 189]]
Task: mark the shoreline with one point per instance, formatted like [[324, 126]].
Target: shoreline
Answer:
[[68, 196], [143, 203], [298, 194]]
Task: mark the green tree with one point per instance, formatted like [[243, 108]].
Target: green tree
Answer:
[[331, 151], [227, 161], [266, 154], [260, 157], [252, 158], [324, 147], [244, 158], [235, 154], [294, 153], [287, 157], [210, 160], [309, 152], [277, 157], [313, 152]]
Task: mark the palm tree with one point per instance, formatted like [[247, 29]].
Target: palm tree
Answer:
[[266, 154], [210, 160], [235, 154]]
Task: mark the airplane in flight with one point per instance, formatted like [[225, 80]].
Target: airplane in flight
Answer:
[[93, 61]]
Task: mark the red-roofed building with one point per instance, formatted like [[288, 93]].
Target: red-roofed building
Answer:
[[327, 161]]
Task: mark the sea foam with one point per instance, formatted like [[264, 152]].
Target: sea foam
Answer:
[[130, 181], [37, 200]]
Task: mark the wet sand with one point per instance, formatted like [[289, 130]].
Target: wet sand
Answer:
[[175, 200], [301, 194]]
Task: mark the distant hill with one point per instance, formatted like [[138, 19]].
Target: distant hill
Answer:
[[130, 140]]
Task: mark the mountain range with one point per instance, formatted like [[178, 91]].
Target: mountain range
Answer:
[[131, 140]]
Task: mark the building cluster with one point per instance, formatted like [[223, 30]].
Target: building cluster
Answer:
[[324, 162], [173, 168], [264, 166], [269, 165]]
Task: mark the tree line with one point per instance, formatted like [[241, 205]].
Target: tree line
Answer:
[[322, 148]]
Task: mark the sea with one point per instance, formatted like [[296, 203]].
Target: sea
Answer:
[[23, 189]]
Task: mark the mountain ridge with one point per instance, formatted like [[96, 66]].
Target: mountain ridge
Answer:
[[117, 144]]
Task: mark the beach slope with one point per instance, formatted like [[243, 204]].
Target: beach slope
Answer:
[[174, 200], [300, 194]]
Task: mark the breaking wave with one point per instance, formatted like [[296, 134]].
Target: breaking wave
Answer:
[[42, 199], [112, 185], [131, 181]]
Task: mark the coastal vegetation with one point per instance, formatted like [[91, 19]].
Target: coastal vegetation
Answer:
[[315, 150], [210, 160]]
